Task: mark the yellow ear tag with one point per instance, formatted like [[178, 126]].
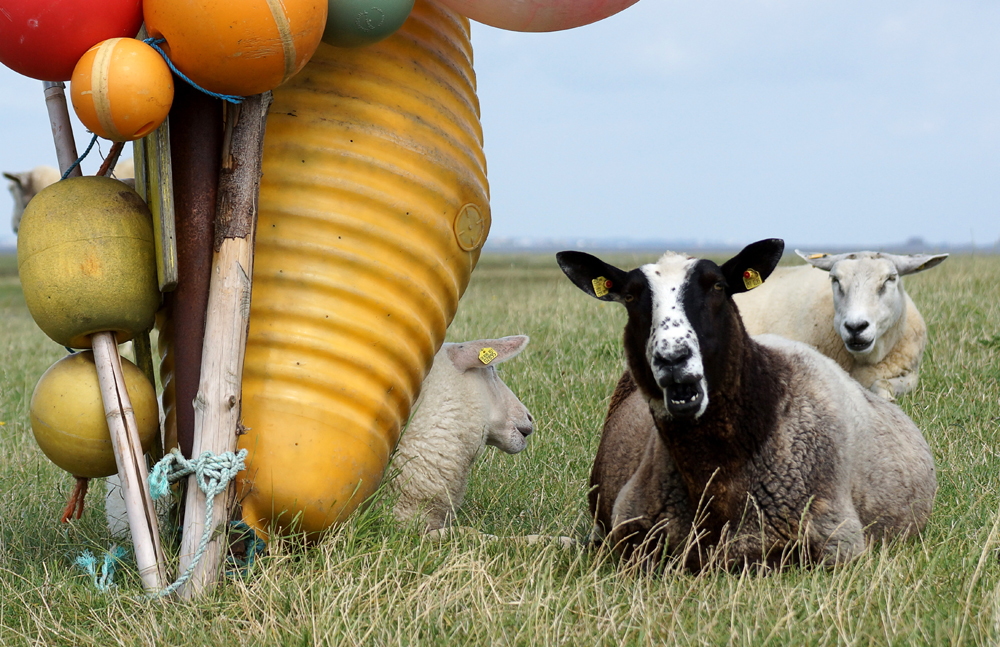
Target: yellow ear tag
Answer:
[[487, 355], [751, 278], [601, 286], [815, 256]]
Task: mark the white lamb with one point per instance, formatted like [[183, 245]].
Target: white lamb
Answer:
[[463, 407], [853, 309]]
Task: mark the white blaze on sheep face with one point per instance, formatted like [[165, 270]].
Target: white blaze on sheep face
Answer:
[[868, 299], [672, 349]]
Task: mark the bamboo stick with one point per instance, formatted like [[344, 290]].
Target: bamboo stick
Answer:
[[62, 131], [117, 404], [131, 466], [217, 405]]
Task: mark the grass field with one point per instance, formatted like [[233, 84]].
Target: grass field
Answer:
[[371, 582]]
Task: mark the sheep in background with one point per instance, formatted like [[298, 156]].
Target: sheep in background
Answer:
[[463, 407], [865, 321], [24, 186]]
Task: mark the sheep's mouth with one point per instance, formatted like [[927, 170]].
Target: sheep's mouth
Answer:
[[683, 399], [858, 345]]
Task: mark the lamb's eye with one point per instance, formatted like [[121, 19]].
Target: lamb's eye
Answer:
[[719, 287]]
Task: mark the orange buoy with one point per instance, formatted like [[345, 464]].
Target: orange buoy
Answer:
[[240, 48], [122, 89]]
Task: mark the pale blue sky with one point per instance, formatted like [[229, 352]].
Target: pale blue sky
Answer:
[[825, 122]]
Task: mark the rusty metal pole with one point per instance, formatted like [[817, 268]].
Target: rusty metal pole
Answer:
[[196, 126]]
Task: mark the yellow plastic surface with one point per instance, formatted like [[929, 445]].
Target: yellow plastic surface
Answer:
[[67, 415], [365, 243], [86, 261]]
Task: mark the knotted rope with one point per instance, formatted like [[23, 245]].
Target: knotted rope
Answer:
[[105, 580], [212, 474]]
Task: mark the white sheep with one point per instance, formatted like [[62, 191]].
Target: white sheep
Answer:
[[463, 407], [24, 186], [853, 309]]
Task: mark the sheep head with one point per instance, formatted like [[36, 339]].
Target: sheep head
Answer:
[[868, 296], [507, 421], [681, 317]]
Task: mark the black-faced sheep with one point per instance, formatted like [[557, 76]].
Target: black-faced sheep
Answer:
[[865, 320], [758, 449], [463, 407]]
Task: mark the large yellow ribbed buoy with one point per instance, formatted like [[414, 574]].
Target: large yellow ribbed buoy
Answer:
[[373, 208]]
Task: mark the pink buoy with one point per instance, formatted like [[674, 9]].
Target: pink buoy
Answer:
[[537, 15]]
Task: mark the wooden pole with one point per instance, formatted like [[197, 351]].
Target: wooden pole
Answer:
[[217, 405], [117, 404], [62, 130], [131, 466]]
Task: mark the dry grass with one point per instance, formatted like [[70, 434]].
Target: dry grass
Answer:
[[371, 582]]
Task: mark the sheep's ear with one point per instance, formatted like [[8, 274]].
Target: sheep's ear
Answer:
[[593, 276], [821, 260], [752, 265], [913, 263], [486, 352], [12, 177]]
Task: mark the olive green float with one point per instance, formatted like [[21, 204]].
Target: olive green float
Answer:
[[86, 260]]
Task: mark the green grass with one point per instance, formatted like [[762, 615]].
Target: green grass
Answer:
[[371, 582]]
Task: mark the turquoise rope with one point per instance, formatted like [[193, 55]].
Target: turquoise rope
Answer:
[[213, 474], [155, 44], [79, 159], [240, 566], [105, 580]]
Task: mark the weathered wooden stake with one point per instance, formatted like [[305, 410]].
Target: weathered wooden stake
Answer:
[[131, 466], [218, 406], [117, 404]]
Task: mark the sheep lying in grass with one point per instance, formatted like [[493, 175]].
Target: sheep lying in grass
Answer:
[[867, 322], [463, 407], [753, 449]]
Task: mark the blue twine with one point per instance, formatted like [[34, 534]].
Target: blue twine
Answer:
[[213, 474], [79, 159], [105, 580], [240, 566], [155, 44]]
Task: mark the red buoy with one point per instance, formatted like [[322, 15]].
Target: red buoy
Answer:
[[44, 39]]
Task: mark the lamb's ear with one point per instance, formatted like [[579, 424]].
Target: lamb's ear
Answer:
[[913, 263], [752, 265], [593, 276], [486, 352]]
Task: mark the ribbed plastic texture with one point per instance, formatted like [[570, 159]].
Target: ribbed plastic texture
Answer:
[[373, 207]]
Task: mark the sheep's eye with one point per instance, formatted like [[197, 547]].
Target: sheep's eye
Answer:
[[629, 298], [719, 287]]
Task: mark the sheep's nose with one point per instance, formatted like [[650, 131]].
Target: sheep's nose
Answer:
[[526, 430], [673, 359], [855, 328]]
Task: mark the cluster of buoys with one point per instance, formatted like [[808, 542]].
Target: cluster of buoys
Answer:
[[85, 259], [86, 253]]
